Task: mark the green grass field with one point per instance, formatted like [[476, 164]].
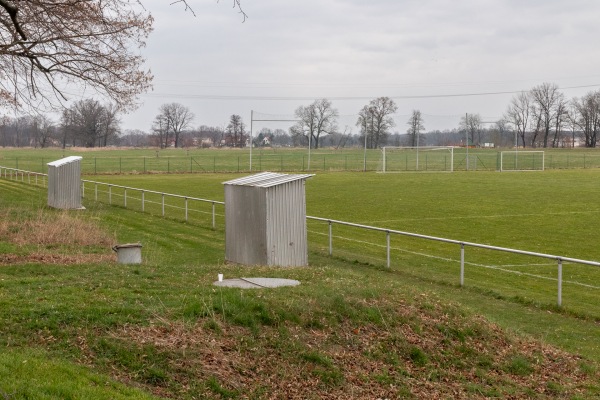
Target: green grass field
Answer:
[[135, 319]]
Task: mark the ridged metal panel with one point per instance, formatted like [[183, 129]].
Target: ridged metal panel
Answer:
[[64, 183], [265, 220], [286, 224], [245, 225]]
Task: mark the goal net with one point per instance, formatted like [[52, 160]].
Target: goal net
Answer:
[[423, 158], [521, 160]]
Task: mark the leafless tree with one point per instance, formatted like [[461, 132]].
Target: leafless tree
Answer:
[[89, 123], [236, 132], [518, 114], [546, 99], [161, 131], [316, 119], [172, 119], [21, 128], [561, 116], [67, 127], [212, 135], [536, 125], [281, 138], [572, 120], [472, 124], [375, 121], [587, 116], [500, 133], [415, 126], [4, 122], [44, 130], [134, 138]]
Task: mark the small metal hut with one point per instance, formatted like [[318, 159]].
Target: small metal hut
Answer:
[[265, 220], [64, 183]]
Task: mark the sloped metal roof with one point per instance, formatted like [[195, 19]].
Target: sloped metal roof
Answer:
[[64, 161], [267, 179]]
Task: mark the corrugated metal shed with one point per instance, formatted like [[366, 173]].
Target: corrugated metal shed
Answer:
[[265, 220], [64, 183]]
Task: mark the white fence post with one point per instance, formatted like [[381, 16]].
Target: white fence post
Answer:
[[213, 215], [388, 248], [559, 282], [186, 209], [330, 239], [462, 264]]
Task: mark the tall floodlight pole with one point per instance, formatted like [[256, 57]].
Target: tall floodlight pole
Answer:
[[365, 153], [467, 137], [309, 146], [251, 136], [417, 134], [516, 151]]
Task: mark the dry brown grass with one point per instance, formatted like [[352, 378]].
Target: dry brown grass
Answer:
[[52, 228], [52, 238]]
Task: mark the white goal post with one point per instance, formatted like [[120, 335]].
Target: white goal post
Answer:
[[522, 160], [422, 158]]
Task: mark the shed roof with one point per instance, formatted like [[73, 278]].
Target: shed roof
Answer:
[[267, 179], [64, 161]]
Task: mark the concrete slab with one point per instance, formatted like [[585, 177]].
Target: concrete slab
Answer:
[[256, 283]]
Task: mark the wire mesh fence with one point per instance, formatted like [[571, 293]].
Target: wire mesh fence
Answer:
[[477, 159]]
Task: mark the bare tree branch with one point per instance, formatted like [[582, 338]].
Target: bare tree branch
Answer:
[[49, 46]]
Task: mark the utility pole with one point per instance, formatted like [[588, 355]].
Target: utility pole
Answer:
[[251, 139], [365, 153]]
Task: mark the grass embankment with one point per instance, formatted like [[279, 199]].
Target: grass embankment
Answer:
[[350, 330]]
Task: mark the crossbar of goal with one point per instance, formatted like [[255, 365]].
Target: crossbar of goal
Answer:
[[426, 163]]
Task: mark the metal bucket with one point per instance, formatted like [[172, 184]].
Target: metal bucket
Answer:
[[130, 253]]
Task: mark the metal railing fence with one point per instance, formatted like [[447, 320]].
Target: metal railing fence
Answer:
[[110, 194], [15, 174], [144, 201], [462, 244]]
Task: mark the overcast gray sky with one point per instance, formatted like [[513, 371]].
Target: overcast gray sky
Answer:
[[289, 53]]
